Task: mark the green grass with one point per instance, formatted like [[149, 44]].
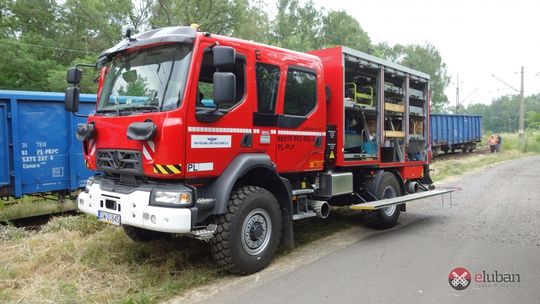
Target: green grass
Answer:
[[28, 206], [510, 149], [76, 259]]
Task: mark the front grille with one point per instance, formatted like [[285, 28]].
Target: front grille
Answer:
[[119, 161]]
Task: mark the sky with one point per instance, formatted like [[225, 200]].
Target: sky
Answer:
[[476, 39]]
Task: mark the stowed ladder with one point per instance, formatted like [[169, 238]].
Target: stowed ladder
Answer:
[[383, 203]]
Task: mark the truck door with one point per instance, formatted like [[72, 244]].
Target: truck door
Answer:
[[301, 121], [214, 139], [267, 76]]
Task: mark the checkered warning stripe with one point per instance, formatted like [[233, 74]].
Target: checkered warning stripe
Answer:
[[168, 169]]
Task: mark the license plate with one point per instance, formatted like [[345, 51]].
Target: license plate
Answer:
[[109, 218]]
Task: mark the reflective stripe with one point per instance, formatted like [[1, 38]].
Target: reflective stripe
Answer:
[[219, 130], [300, 133], [145, 153], [255, 131], [168, 169], [92, 147], [161, 169], [173, 169]]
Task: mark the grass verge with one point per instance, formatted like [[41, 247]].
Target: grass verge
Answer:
[[76, 259]]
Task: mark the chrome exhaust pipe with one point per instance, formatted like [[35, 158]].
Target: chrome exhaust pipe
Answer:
[[412, 187], [321, 208]]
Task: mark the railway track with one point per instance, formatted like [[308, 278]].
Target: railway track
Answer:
[[458, 154], [36, 221]]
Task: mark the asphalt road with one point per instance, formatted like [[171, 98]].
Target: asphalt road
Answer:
[[493, 225]]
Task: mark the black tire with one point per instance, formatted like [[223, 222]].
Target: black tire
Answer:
[[142, 235], [241, 244], [383, 218]]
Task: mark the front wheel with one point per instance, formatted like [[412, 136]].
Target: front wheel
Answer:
[[247, 236], [385, 218]]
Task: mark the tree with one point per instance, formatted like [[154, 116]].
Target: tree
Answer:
[[425, 58], [215, 16], [40, 39], [297, 26], [340, 28]]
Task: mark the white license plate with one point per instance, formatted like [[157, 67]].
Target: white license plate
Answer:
[[108, 217]]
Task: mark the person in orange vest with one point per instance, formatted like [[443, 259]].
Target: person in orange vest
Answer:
[[492, 142]]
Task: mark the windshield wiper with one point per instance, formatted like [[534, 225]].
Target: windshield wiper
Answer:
[[144, 107], [130, 109], [107, 111]]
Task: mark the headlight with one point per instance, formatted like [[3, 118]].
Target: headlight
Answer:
[[171, 198]]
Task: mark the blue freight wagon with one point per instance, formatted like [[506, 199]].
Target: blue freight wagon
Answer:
[[38, 148], [449, 132]]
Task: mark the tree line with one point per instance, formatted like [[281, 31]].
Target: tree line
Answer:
[[39, 39], [502, 115]]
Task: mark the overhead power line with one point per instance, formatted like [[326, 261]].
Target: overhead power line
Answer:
[[78, 3], [45, 46]]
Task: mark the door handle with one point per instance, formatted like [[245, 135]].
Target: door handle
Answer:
[[247, 140], [318, 141]]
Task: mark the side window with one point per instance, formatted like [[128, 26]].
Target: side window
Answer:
[[267, 87], [300, 92], [205, 85]]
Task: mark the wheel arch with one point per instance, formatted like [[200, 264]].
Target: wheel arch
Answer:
[[377, 181], [379, 175], [256, 170]]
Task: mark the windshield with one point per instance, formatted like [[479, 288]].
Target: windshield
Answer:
[[148, 80]]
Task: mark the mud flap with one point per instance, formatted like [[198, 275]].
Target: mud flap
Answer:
[[426, 179]]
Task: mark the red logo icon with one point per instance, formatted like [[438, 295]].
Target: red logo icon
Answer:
[[459, 278]]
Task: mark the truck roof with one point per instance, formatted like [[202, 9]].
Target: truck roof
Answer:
[[383, 62], [296, 55]]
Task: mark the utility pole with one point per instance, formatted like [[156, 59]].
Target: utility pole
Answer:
[[457, 94], [521, 127], [522, 108]]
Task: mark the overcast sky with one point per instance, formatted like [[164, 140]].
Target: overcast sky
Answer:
[[475, 38]]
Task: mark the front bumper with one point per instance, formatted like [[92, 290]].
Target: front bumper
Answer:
[[134, 208]]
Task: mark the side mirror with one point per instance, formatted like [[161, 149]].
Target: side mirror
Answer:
[[224, 88], [72, 99], [224, 56], [74, 76]]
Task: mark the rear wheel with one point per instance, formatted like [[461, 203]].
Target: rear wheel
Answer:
[[144, 235], [385, 218], [248, 234]]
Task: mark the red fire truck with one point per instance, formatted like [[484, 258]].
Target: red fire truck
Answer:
[[230, 141]]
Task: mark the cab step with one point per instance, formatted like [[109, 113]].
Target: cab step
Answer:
[[374, 205], [204, 234]]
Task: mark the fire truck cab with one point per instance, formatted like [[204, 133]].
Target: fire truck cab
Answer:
[[230, 141]]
